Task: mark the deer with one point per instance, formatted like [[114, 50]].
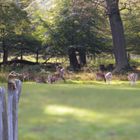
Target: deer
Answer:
[[132, 77], [107, 77]]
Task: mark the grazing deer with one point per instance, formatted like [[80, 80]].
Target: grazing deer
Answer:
[[52, 78], [100, 76], [26, 76], [61, 71], [108, 77], [40, 79], [132, 77]]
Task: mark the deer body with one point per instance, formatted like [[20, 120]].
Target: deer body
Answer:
[[108, 77], [132, 77]]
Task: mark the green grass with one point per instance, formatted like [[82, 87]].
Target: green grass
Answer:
[[79, 112]]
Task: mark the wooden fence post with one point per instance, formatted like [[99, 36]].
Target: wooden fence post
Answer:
[[14, 90], [4, 114], [1, 111]]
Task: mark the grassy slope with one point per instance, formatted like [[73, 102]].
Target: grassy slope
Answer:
[[79, 112]]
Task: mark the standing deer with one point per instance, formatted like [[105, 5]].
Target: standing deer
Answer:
[[132, 77], [106, 77], [100, 76]]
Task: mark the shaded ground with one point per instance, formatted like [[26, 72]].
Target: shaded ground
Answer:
[[79, 112]]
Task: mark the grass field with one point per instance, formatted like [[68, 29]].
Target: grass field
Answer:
[[79, 112]]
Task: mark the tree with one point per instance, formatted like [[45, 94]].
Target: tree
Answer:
[[117, 35], [13, 20], [132, 27], [76, 30], [79, 23]]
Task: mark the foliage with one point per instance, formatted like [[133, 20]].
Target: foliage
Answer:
[[14, 22], [17, 34], [49, 27], [131, 18], [78, 24]]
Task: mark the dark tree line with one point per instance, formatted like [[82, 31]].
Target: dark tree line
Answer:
[[72, 29]]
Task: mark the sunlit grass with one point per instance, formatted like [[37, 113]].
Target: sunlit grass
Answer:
[[75, 112], [94, 82], [79, 112]]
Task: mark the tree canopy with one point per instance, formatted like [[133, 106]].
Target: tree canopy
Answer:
[[32, 26]]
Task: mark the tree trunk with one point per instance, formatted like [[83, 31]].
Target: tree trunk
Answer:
[[21, 55], [5, 52], [82, 54], [117, 35], [5, 56], [37, 56], [73, 59]]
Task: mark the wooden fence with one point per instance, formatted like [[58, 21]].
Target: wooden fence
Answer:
[[9, 110]]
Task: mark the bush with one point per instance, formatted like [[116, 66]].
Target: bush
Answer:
[[3, 77]]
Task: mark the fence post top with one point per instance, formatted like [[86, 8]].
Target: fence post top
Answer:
[[11, 84], [13, 81]]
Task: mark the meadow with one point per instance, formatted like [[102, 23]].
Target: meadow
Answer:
[[93, 111]]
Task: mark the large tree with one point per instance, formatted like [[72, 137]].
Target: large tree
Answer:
[[77, 29], [117, 35], [13, 22]]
